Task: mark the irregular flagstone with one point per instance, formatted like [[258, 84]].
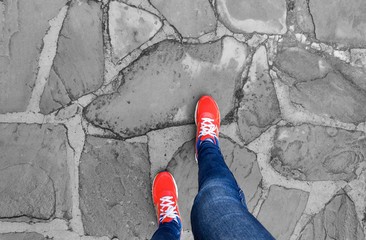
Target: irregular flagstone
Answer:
[[22, 236], [179, 74], [34, 173], [314, 153], [78, 66], [192, 18], [303, 17], [259, 106], [337, 221], [349, 25], [115, 189], [358, 57], [324, 86], [8, 24], [247, 16], [26, 190], [302, 65], [281, 211], [241, 162], [164, 143], [130, 27], [20, 46]]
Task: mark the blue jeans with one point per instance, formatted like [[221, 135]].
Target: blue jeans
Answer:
[[219, 210]]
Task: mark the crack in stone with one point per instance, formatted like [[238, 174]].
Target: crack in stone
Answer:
[[311, 17], [46, 58]]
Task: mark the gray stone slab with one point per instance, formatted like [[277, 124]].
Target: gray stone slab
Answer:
[[281, 211], [247, 16], [312, 153], [324, 86], [26, 190], [241, 162], [78, 66], [34, 175], [303, 17], [162, 87], [21, 43], [115, 189], [129, 28], [301, 65], [259, 106], [22, 236], [192, 18], [341, 21], [338, 220]]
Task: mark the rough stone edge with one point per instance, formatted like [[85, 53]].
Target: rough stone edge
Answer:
[[46, 58]]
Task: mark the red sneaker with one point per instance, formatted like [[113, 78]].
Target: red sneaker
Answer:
[[207, 118], [165, 198]]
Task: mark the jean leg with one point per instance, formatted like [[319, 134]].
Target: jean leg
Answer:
[[167, 231], [219, 210]]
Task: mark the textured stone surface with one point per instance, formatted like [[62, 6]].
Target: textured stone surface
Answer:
[[192, 18], [358, 57], [34, 172], [164, 143], [179, 75], [20, 46], [26, 191], [78, 66], [337, 221], [8, 24], [115, 189], [249, 16], [302, 65], [349, 25], [22, 236], [324, 86], [281, 211], [130, 27], [303, 17], [309, 152], [259, 106], [185, 171]]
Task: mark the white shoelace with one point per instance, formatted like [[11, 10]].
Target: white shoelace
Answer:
[[168, 209], [208, 127]]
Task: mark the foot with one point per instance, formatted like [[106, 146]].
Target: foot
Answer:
[[207, 117], [165, 197]]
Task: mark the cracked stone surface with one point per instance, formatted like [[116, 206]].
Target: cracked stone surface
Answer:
[[96, 97], [282, 209], [299, 152], [192, 18], [240, 160], [253, 16], [180, 73], [21, 43], [259, 106], [130, 27], [303, 17], [78, 66], [349, 27], [115, 198], [324, 86], [34, 172], [336, 221], [22, 236]]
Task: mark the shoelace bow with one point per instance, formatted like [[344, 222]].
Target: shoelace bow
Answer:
[[208, 127], [168, 209]]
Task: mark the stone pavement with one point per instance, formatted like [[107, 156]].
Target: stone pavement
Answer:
[[97, 96]]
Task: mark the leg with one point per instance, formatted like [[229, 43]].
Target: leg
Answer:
[[219, 210], [167, 231]]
